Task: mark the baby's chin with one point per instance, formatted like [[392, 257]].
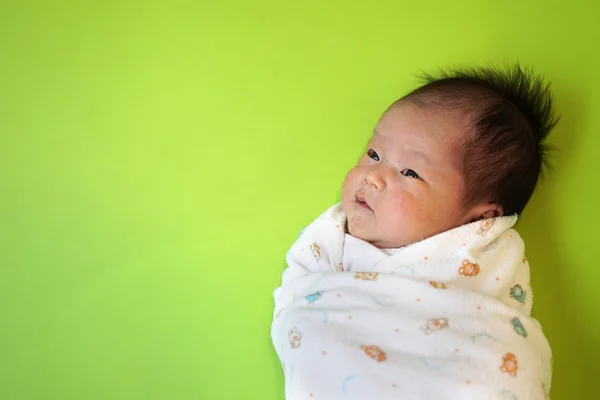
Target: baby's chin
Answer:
[[388, 243], [363, 225], [361, 232]]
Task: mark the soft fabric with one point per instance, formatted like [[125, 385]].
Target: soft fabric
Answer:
[[444, 318]]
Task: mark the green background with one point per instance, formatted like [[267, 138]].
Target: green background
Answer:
[[157, 160]]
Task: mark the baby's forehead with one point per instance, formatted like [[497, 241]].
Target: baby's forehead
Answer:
[[429, 126], [431, 135]]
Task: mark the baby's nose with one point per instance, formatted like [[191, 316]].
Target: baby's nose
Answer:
[[375, 179]]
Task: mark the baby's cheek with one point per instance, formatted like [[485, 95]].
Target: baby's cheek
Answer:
[[351, 182], [347, 193], [346, 189], [410, 213], [407, 206]]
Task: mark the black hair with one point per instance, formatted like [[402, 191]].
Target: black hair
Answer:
[[511, 111]]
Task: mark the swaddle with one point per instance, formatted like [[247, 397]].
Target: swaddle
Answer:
[[444, 318]]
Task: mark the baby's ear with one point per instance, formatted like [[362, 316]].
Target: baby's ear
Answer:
[[493, 213], [486, 210]]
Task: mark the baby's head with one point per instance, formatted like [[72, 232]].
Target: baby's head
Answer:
[[464, 146]]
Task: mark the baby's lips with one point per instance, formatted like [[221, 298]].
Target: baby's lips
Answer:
[[360, 198], [360, 195]]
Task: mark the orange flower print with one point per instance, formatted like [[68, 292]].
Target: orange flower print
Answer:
[[374, 352], [435, 325], [468, 268], [316, 250], [438, 285], [509, 364], [486, 225], [294, 338], [367, 276]]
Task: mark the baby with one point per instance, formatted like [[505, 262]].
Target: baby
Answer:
[[416, 286]]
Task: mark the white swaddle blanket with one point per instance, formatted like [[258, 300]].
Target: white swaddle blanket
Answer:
[[444, 318]]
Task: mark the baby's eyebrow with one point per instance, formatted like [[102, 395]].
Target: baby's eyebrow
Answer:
[[421, 155]]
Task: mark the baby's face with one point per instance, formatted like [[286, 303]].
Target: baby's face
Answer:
[[408, 184]]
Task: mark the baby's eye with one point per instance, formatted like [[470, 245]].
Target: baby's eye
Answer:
[[410, 173], [373, 154]]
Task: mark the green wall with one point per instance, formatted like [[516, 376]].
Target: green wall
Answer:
[[157, 159]]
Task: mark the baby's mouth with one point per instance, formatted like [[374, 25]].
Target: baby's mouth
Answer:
[[361, 201]]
